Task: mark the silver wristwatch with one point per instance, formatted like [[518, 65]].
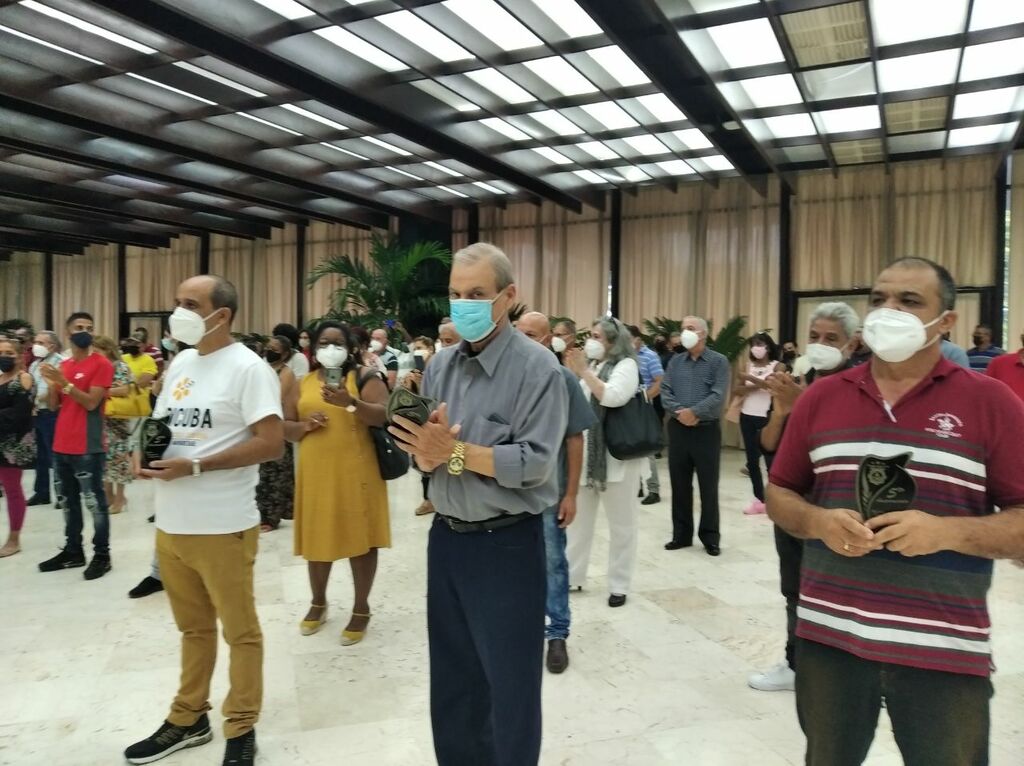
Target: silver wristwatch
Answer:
[[197, 466]]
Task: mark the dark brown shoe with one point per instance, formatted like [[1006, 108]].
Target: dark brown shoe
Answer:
[[558, 657]]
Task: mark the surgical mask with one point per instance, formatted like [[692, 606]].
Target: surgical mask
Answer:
[[594, 349], [189, 327], [39, 351], [759, 352], [823, 358], [689, 339], [273, 357], [6, 363], [333, 357], [303, 342], [895, 336], [169, 345], [472, 319], [376, 346], [557, 345], [82, 339]]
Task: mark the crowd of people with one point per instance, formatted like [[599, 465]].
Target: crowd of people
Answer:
[[516, 461]]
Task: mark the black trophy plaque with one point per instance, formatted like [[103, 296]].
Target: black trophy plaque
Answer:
[[884, 485], [154, 440]]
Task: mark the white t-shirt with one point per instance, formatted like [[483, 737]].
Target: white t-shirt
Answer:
[[213, 399], [299, 365]]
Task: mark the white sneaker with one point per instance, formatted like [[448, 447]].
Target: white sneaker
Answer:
[[781, 678]]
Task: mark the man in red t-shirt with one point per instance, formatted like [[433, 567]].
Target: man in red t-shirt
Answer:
[[893, 605], [79, 387], [1009, 368]]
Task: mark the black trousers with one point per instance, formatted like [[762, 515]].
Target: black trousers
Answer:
[[694, 449], [485, 619], [938, 719], [750, 427], [791, 554]]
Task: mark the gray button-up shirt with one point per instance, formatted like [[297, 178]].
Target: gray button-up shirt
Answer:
[[700, 384], [512, 397]]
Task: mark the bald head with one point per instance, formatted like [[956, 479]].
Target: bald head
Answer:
[[536, 327], [207, 293]]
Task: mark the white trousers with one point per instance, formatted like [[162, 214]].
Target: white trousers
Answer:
[[622, 509]]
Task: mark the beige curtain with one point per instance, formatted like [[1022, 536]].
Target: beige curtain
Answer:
[[1015, 288], [152, 274], [87, 282], [324, 241], [21, 288], [460, 228]]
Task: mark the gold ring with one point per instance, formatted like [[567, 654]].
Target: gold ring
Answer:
[[846, 547]]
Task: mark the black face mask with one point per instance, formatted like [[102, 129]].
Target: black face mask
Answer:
[[6, 363], [678, 349], [130, 350], [82, 339], [273, 357]]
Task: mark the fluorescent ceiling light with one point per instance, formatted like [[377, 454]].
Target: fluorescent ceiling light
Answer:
[[172, 89], [983, 134], [661, 107], [402, 172], [313, 116], [620, 67], [717, 162], [610, 115], [986, 14], [839, 82], [385, 145], [1005, 57], [37, 41], [597, 150], [505, 128], [452, 191], [777, 90], [790, 126], [590, 176], [217, 78], [849, 120], [557, 123], [632, 174], [500, 85], [900, 21], [420, 33], [446, 95], [676, 168], [357, 46], [1000, 101], [287, 8], [550, 154], [561, 75], [268, 123], [747, 43], [693, 139], [924, 70], [494, 23], [647, 145], [488, 187], [917, 142], [343, 151], [442, 168], [569, 17], [85, 26]]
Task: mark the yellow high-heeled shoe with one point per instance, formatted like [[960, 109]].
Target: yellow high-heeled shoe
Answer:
[[350, 637], [309, 627]]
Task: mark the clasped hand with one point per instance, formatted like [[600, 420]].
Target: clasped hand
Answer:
[[431, 443], [909, 533]]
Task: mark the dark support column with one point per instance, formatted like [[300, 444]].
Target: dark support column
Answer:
[[48, 291], [615, 249], [473, 225], [300, 273], [994, 316], [787, 301], [204, 253], [122, 290]]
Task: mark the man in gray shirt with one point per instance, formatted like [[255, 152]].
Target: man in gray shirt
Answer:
[[491, 449], [693, 393]]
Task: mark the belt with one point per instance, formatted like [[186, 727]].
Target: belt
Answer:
[[487, 525]]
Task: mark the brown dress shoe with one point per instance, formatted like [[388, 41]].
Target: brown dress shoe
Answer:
[[558, 657]]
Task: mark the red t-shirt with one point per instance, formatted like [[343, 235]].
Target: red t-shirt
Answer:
[[1010, 369], [963, 432], [80, 431]]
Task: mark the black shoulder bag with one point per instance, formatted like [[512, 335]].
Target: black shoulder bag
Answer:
[[392, 462], [633, 430]]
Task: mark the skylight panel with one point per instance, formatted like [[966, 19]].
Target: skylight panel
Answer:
[[313, 116], [852, 119], [86, 26], [344, 151], [287, 8], [357, 46], [632, 174], [776, 90], [923, 70], [620, 67], [550, 154], [998, 59], [446, 95], [452, 191], [442, 168], [661, 107], [500, 85], [647, 145], [406, 173], [569, 17], [987, 14], [37, 41], [171, 88], [610, 115], [561, 75], [906, 20], [717, 162], [983, 134], [420, 33], [557, 123], [597, 150], [676, 168], [693, 139], [489, 188], [1000, 101], [495, 23], [506, 129], [590, 176], [790, 126], [218, 78], [268, 123], [385, 145], [747, 43]]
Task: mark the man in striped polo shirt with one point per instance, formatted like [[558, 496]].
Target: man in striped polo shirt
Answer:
[[894, 608]]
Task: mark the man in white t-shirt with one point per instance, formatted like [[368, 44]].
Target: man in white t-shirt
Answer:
[[223, 406]]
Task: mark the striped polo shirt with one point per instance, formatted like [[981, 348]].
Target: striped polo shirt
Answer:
[[963, 432]]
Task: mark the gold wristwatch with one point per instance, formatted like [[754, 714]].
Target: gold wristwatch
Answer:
[[457, 462]]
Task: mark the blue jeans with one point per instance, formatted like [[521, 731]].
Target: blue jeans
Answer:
[[46, 424], [557, 606], [80, 483]]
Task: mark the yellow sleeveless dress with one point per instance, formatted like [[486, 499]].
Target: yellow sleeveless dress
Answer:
[[341, 502]]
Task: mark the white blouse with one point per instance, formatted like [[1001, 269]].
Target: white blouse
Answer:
[[621, 386]]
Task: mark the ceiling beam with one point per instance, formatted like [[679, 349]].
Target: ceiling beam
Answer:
[[42, 244], [89, 233]]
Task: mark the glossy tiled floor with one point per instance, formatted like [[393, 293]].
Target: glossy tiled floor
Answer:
[[662, 681]]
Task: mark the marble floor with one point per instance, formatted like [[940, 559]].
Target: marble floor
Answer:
[[662, 681]]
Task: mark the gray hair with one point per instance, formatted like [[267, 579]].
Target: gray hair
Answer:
[[480, 251], [837, 311], [53, 338], [223, 295], [618, 338], [702, 323]]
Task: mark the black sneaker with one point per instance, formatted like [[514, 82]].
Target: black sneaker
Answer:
[[37, 500], [147, 587], [66, 559], [651, 499], [169, 739], [98, 567], [241, 751]]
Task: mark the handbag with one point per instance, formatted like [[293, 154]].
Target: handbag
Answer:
[[634, 430], [136, 405], [19, 452], [391, 461]]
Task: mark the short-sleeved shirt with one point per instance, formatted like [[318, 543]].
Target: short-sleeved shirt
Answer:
[[154, 353], [80, 431], [140, 365], [650, 366], [1009, 368], [955, 354], [212, 401], [980, 360], [581, 418], [963, 432]]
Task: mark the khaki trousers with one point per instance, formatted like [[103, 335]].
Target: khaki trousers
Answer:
[[209, 577]]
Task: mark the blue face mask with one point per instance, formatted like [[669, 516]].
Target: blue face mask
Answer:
[[472, 319]]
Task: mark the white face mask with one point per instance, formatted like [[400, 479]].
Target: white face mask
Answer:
[[557, 344], [594, 349], [689, 339], [895, 336], [437, 346], [39, 351], [303, 342], [759, 352], [823, 358], [188, 327], [333, 357], [376, 346]]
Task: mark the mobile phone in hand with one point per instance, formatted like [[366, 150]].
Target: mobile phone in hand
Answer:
[[420, 363], [332, 376]]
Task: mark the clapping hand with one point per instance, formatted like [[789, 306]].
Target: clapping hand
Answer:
[[784, 390], [575, 360]]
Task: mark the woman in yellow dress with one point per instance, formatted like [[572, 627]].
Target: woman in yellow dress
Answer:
[[341, 501]]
